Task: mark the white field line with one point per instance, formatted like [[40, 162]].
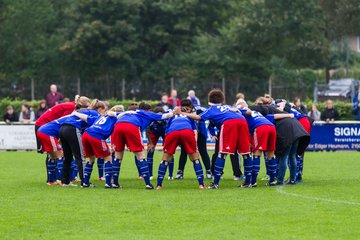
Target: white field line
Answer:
[[281, 190]]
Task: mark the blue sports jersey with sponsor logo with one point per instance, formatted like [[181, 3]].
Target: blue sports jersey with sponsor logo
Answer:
[[255, 120], [140, 118], [102, 127], [80, 124], [180, 122], [219, 114], [53, 128]]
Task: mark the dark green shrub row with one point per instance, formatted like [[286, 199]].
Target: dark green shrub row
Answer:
[[344, 108]]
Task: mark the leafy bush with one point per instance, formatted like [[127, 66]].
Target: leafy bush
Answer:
[[344, 108]]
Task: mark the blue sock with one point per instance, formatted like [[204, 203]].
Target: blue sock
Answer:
[[171, 167], [108, 172], [116, 164], [144, 169], [87, 172], [52, 170], [161, 172], [100, 165], [150, 159], [255, 168], [199, 172], [247, 168], [219, 167], [74, 170], [272, 169], [137, 165], [59, 164]]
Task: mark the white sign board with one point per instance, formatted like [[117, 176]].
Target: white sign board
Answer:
[[20, 137]]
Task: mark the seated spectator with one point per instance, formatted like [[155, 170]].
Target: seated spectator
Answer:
[[297, 103], [26, 115], [10, 115], [329, 114], [191, 96], [314, 114], [173, 100], [54, 97], [42, 109], [164, 102], [356, 105]]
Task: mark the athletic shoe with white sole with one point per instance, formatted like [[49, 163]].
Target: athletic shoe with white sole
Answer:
[[90, 185], [69, 185], [158, 187], [271, 184], [149, 187], [202, 186], [116, 185], [107, 186], [245, 185], [213, 186], [179, 175], [171, 178]]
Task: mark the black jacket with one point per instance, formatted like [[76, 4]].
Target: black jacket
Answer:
[[329, 114]]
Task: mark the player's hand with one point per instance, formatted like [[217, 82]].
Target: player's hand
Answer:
[[214, 138], [177, 110], [291, 115]]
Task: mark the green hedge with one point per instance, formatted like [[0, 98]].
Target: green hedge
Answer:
[[36, 103], [344, 108]]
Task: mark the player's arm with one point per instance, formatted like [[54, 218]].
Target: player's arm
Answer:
[[177, 110], [124, 113], [283, 115], [167, 115], [82, 116], [111, 113]]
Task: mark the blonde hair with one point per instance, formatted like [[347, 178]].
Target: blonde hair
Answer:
[[117, 108], [96, 104], [82, 102]]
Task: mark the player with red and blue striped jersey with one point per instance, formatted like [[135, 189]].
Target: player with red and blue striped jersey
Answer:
[[234, 133], [181, 130], [127, 131]]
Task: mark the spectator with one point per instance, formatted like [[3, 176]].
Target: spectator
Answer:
[[191, 96], [356, 105], [26, 114], [240, 96], [66, 100], [314, 114], [164, 103], [42, 109], [10, 115], [54, 97], [297, 103], [173, 100], [329, 114]]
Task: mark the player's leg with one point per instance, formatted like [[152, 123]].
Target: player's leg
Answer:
[[87, 143], [74, 171], [65, 131], [235, 164], [100, 165], [195, 158], [292, 160], [88, 170], [201, 143], [116, 166], [144, 168], [166, 158], [243, 147], [299, 167], [282, 160], [214, 156], [270, 155], [118, 142], [108, 169], [171, 168], [182, 163]]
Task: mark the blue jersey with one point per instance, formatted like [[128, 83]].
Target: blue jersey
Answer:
[[141, 118], [297, 114], [180, 122], [53, 128], [102, 127], [80, 124], [201, 123], [255, 120], [219, 114], [271, 118], [158, 128]]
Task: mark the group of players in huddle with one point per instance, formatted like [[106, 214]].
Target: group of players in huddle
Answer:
[[275, 129]]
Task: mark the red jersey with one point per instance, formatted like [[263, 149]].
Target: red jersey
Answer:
[[56, 112]]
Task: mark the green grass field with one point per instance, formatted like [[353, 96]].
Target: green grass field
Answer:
[[325, 206]]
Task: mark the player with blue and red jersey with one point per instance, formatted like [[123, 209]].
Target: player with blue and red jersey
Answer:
[[48, 136], [127, 131], [156, 130], [181, 130], [234, 133], [95, 146], [263, 134]]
